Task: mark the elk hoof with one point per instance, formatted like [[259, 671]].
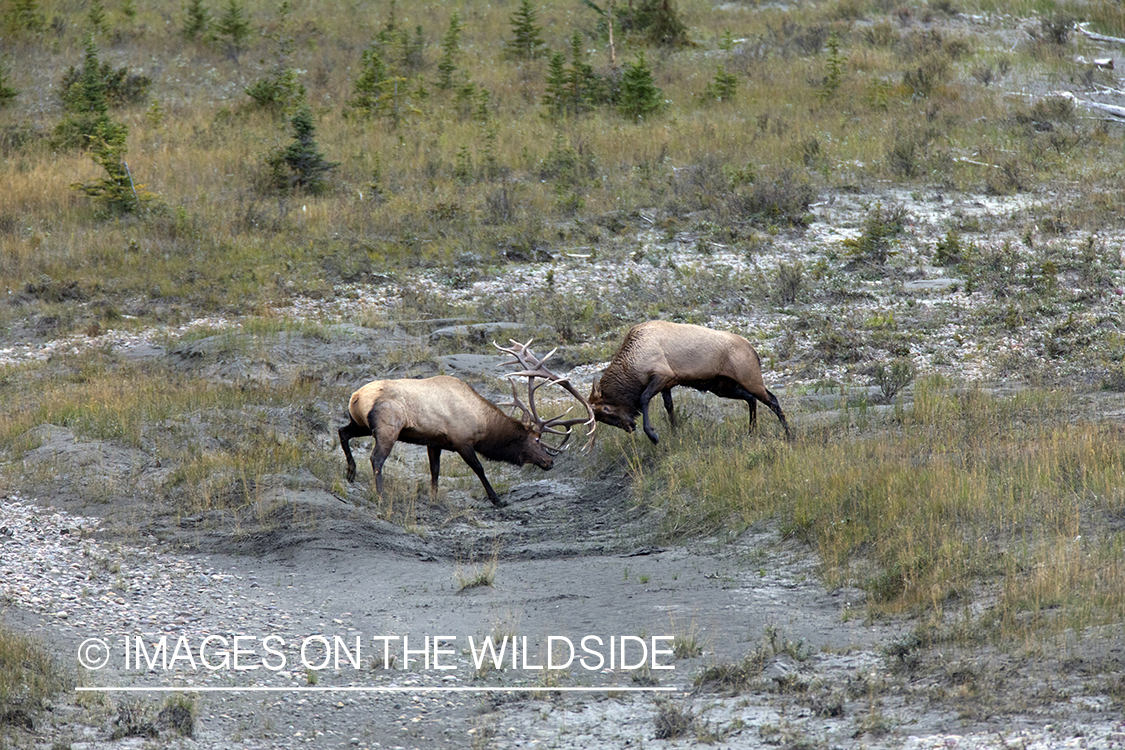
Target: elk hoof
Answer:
[[351, 474], [497, 502]]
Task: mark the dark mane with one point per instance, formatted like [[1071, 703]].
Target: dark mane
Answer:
[[505, 441]]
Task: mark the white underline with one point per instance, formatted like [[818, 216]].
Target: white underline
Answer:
[[358, 689]]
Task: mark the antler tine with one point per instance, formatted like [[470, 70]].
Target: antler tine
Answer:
[[520, 351], [534, 368], [516, 401], [591, 420]]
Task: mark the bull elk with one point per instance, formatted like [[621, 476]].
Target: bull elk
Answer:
[[657, 356], [445, 413]]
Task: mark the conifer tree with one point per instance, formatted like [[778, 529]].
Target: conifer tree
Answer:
[[281, 91], [527, 36], [639, 96], [587, 88], [300, 164], [574, 90], [664, 27], [197, 24], [116, 192], [723, 86], [96, 15], [24, 15], [370, 88], [7, 93], [234, 25], [410, 49], [450, 47], [86, 105], [557, 93]]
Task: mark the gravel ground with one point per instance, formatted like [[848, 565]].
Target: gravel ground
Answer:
[[828, 684]]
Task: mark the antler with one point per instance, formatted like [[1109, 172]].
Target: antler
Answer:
[[533, 368]]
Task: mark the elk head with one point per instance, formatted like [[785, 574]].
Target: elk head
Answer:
[[538, 375], [614, 415]]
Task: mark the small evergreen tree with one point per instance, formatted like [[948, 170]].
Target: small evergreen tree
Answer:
[[280, 91], [96, 16], [116, 192], [197, 24], [450, 47], [24, 16], [639, 96], [661, 24], [86, 106], [119, 86], [587, 87], [556, 95], [466, 95], [381, 93], [234, 25], [723, 86], [7, 93], [371, 86], [527, 36], [129, 9], [411, 50], [573, 90], [300, 164], [835, 65]]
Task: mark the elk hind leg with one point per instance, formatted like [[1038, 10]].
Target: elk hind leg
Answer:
[[351, 430], [766, 397], [667, 395], [386, 432]]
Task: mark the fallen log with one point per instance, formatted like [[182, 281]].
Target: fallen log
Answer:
[[1098, 37]]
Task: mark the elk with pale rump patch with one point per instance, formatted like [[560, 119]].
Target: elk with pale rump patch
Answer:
[[445, 413], [657, 356]]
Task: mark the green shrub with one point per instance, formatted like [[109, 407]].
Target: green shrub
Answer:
[[873, 246], [279, 92]]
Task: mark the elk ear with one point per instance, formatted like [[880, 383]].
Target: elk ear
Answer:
[[596, 387]]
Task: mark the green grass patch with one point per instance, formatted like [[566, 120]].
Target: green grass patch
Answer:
[[28, 677]]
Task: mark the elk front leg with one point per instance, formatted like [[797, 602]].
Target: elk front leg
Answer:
[[471, 459], [655, 385], [435, 467]]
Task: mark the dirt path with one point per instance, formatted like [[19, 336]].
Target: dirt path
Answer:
[[566, 565]]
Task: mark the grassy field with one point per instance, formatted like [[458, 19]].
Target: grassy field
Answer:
[[955, 498]]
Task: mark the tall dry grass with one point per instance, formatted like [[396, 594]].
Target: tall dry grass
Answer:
[[1014, 502], [218, 238]]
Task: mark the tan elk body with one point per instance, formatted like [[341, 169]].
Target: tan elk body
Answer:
[[658, 355], [445, 413]]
